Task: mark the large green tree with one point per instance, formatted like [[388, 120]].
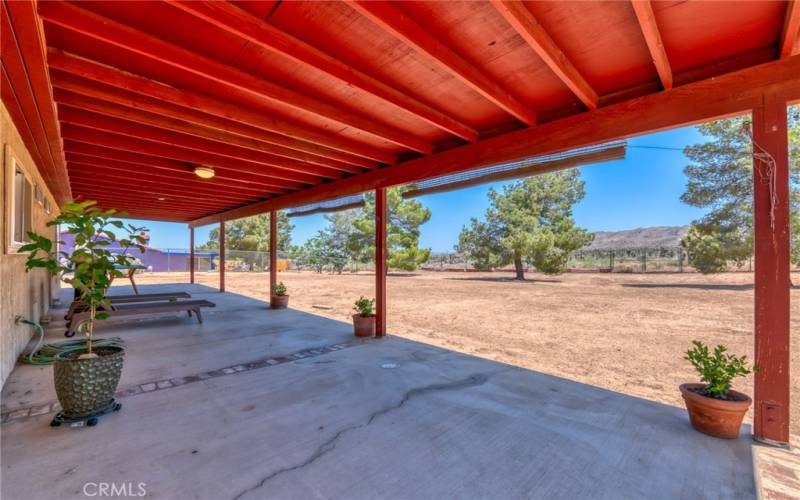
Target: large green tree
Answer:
[[531, 220], [403, 231], [252, 234], [720, 179]]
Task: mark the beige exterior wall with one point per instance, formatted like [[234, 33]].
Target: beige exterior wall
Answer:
[[21, 293]]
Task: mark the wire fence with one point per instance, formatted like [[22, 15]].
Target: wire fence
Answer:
[[617, 260]]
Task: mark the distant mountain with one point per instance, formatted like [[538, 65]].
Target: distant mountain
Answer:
[[659, 236]]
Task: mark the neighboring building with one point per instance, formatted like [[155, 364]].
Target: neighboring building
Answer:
[[156, 259], [27, 206]]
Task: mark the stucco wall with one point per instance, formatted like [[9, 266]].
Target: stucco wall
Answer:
[[21, 293]]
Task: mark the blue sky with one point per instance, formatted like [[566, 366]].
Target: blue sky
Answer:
[[642, 190]]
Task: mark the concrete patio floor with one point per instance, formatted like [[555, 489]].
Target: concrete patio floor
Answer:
[[257, 403]]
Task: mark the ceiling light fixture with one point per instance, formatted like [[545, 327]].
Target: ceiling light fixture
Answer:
[[204, 172], [161, 199]]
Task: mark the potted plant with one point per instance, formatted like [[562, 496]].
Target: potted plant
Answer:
[[279, 299], [714, 408], [86, 379], [364, 319]]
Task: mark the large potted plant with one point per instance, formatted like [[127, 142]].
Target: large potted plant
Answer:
[[86, 379], [279, 299], [364, 319], [714, 408]]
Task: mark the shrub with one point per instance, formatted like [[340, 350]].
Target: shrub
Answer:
[[279, 289], [717, 370], [364, 307]]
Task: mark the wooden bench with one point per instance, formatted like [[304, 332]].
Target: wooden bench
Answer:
[[77, 305], [134, 309]]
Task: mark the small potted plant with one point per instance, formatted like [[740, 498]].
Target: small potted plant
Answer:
[[279, 299], [714, 408], [364, 319], [86, 379]]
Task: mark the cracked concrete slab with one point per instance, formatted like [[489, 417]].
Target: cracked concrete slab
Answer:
[[439, 425]]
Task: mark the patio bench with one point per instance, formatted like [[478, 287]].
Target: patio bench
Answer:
[[77, 305], [133, 309]]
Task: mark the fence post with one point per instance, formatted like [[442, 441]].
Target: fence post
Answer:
[[611, 260], [644, 261]]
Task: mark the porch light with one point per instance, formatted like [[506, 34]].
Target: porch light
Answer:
[[204, 172]]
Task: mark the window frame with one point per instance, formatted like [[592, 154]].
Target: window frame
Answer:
[[12, 163]]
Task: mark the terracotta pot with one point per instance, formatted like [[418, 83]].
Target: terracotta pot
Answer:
[[364, 325], [279, 301], [712, 416], [84, 386]]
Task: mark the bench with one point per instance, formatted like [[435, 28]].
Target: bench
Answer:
[[77, 305], [134, 309]]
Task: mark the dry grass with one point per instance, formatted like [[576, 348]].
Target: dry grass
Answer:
[[624, 332]]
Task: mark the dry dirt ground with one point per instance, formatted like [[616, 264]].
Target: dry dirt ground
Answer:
[[624, 332]]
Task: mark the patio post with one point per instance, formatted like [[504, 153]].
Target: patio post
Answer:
[[191, 255], [381, 216], [772, 281], [273, 250], [222, 256]]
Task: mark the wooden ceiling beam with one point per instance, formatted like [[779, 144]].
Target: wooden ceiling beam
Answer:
[[272, 176], [715, 98], [228, 176], [110, 109], [528, 27], [652, 36], [85, 22], [393, 21], [207, 111], [75, 116], [137, 189], [183, 177], [791, 29], [27, 78], [237, 21]]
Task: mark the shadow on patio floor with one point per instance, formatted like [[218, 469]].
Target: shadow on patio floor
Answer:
[[337, 417]]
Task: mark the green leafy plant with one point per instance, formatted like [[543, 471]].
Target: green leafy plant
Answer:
[[91, 267], [365, 307], [279, 289], [717, 370]]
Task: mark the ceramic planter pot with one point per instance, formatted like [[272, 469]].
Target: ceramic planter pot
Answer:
[[279, 301], [84, 386], [712, 416], [364, 326]]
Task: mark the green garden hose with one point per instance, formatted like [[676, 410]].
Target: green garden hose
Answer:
[[45, 354]]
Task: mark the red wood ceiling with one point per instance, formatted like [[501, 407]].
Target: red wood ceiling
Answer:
[[282, 96]]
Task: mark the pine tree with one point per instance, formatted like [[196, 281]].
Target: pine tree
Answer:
[[529, 220]]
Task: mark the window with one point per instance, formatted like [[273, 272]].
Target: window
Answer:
[[22, 203]]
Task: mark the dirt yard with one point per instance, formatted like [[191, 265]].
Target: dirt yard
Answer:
[[624, 332]]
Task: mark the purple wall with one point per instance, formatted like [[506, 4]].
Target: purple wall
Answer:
[[156, 260]]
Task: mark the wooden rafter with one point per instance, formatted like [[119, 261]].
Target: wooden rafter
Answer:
[[791, 29], [239, 22], [524, 23], [27, 79], [112, 110], [156, 162], [272, 176], [691, 103], [197, 108], [392, 20], [652, 36], [75, 116], [87, 23]]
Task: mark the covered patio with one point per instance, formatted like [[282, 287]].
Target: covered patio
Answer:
[[256, 403]]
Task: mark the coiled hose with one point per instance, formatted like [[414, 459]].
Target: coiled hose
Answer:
[[45, 354]]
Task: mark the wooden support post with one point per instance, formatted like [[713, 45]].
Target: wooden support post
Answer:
[[191, 255], [381, 219], [771, 219], [273, 250], [222, 256]]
